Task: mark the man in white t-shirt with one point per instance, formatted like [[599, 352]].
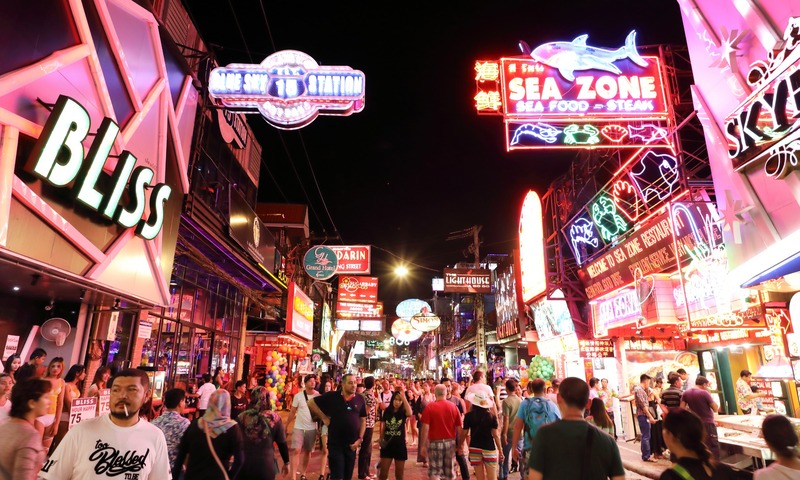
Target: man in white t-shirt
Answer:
[[118, 445], [304, 433], [204, 394]]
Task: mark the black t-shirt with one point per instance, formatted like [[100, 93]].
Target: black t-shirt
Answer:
[[696, 470], [394, 426], [480, 424], [238, 405], [345, 416]]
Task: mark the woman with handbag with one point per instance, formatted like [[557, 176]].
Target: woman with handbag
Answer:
[[262, 427], [393, 436], [210, 441]]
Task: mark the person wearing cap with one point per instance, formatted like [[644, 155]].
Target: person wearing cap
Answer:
[[484, 441], [699, 401], [745, 397]]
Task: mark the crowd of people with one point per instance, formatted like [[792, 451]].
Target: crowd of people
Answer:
[[561, 430]]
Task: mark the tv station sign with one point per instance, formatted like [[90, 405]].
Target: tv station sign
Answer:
[[289, 89], [354, 259], [466, 280]]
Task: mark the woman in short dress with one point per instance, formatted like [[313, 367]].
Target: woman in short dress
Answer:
[[53, 417], [393, 435], [73, 382]]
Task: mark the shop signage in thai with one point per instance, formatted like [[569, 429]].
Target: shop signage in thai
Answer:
[[648, 250], [750, 318], [573, 95], [359, 310], [507, 303], [596, 348], [300, 314], [531, 248], [320, 263], [353, 259], [289, 89], [467, 280], [247, 229], [58, 158], [358, 289], [765, 129], [620, 309]]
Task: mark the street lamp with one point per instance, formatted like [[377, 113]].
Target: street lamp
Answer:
[[401, 271]]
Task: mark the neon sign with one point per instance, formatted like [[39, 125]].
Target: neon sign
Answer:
[[765, 127], [618, 310], [531, 247], [656, 176], [554, 134], [58, 159], [608, 221], [582, 232], [289, 89]]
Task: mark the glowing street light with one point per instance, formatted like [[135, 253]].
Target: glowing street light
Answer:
[[401, 271]]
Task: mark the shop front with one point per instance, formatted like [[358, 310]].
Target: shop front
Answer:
[[96, 136], [747, 103], [555, 338]]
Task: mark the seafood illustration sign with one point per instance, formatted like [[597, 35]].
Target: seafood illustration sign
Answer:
[[575, 95]]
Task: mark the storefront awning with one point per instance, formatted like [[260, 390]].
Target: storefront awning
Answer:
[[786, 267], [460, 346]]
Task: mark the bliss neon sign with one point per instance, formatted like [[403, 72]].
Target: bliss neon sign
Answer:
[[58, 158], [289, 89]]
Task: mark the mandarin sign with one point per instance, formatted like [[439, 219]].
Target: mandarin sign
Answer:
[[289, 89], [352, 259]]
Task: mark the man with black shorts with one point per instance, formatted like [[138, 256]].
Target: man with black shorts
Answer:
[[345, 414], [304, 433]]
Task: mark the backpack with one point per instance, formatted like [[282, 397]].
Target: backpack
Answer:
[[534, 420]]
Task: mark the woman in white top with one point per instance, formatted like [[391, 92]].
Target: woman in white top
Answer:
[[5, 391], [782, 440]]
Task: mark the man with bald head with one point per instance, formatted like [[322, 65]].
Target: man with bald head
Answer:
[[441, 425]]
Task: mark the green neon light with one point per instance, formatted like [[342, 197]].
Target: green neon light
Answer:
[[581, 134], [608, 221]]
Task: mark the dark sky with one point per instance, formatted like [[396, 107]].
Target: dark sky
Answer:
[[418, 162]]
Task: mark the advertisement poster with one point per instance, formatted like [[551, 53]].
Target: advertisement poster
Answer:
[[12, 342], [659, 364], [82, 409], [105, 401]]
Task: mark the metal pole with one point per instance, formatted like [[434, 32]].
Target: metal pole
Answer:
[[480, 327]]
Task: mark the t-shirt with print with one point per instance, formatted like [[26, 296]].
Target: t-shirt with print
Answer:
[[345, 417], [394, 423], [558, 449], [443, 420], [370, 401], [480, 425], [303, 419], [97, 449]]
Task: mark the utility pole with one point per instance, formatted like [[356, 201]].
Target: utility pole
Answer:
[[480, 326]]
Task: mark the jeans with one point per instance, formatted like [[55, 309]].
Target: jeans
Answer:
[[507, 458], [365, 454], [644, 427], [712, 440], [341, 461]]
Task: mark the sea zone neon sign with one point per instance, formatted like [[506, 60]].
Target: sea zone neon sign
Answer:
[[58, 159], [289, 89]]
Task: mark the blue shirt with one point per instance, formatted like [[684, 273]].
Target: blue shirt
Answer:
[[173, 425]]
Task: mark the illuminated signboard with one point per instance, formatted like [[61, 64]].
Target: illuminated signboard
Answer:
[[618, 310], [358, 289], [531, 248], [649, 250], [645, 183], [326, 329], [300, 318], [554, 347], [596, 348], [506, 301], [573, 95], [347, 325], [765, 127], [352, 259], [58, 158], [521, 135], [289, 89], [467, 280], [552, 317], [425, 322], [402, 330], [358, 310], [412, 306], [320, 262]]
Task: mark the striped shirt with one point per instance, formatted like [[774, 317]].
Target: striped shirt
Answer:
[[671, 397]]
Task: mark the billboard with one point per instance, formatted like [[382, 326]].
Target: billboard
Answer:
[[467, 280], [352, 259], [300, 313], [289, 89], [359, 310], [531, 248], [358, 289]]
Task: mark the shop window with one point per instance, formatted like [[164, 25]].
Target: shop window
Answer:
[[150, 349], [166, 348], [183, 356], [186, 303]]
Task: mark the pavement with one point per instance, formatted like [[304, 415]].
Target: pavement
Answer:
[[635, 468]]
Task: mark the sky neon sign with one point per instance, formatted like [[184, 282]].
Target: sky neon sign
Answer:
[[58, 158], [289, 89]]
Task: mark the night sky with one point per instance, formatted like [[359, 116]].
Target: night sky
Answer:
[[418, 162]]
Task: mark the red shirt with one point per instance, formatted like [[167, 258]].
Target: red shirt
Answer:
[[443, 418]]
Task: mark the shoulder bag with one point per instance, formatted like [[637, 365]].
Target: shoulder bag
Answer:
[[587, 452], [214, 452]]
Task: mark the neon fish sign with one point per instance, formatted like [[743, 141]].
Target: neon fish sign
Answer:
[[289, 89]]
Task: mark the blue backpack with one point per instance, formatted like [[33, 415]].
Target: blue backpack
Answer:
[[534, 420]]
